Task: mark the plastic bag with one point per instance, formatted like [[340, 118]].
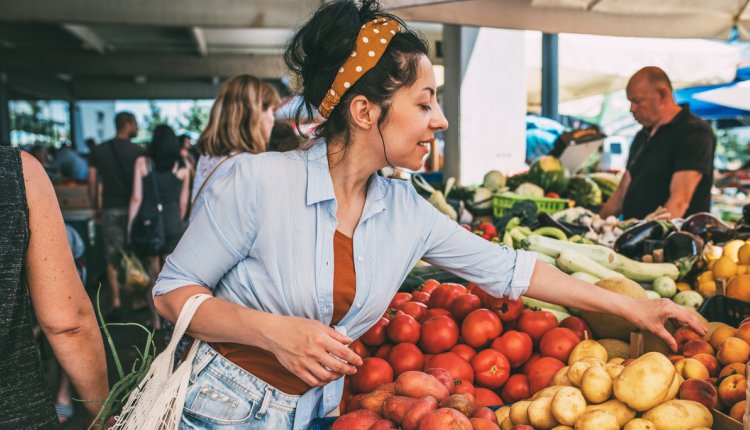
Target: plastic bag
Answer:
[[136, 277]]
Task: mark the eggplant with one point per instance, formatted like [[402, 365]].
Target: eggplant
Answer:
[[631, 242], [683, 249], [709, 228]]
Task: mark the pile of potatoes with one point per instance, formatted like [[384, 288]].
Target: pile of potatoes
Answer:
[[594, 393]]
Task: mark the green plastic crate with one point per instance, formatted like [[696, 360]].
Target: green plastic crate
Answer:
[[502, 202]]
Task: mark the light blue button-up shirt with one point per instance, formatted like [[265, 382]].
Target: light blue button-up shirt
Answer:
[[264, 239]]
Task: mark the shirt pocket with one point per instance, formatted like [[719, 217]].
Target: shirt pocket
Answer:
[[218, 404]]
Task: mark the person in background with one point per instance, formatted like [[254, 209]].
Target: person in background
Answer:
[[70, 164], [241, 121], [304, 250], [90, 144], [37, 269], [113, 162], [186, 152], [164, 164], [283, 138], [671, 158]]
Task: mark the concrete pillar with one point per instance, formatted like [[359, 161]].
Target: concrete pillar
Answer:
[[76, 129], [550, 81], [4, 110], [485, 101]]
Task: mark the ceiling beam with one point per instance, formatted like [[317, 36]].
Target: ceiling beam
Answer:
[[200, 40], [108, 90], [178, 13], [149, 65], [90, 39]]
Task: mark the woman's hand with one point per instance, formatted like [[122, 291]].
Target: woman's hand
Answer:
[[652, 314], [314, 352]]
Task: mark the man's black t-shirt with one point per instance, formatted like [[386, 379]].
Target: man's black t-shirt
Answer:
[[114, 161], [685, 143]]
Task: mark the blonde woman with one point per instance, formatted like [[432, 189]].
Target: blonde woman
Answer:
[[241, 122]]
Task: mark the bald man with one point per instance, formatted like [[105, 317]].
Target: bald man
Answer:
[[671, 159]]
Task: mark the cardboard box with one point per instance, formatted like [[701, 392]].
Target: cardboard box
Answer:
[[725, 422], [73, 196]]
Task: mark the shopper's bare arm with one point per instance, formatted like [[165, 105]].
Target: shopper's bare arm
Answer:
[[681, 190], [185, 191], [62, 307], [93, 188], [613, 206], [139, 171]]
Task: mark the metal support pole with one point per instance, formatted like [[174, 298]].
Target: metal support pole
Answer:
[[550, 76]]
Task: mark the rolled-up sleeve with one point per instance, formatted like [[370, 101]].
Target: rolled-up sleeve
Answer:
[[498, 270], [219, 236]]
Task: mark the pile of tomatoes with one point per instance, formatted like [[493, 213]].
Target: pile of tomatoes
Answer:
[[493, 348]]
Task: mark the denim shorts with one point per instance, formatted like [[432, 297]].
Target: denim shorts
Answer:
[[223, 396]]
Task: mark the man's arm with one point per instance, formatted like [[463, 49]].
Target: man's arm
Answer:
[[681, 190], [93, 188], [614, 204]]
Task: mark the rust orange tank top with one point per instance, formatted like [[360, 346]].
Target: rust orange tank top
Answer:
[[264, 364]]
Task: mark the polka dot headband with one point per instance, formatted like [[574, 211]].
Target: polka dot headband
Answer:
[[372, 41]]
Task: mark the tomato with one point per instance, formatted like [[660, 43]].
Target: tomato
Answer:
[[455, 365], [558, 343], [429, 286], [536, 323], [579, 326], [515, 345], [444, 295], [464, 351], [382, 351], [464, 305], [463, 386], [432, 313], [534, 357], [486, 397], [373, 372], [415, 309], [491, 368], [359, 348], [480, 327], [403, 328], [400, 297], [516, 388], [439, 334], [542, 371], [444, 377], [505, 307], [375, 336], [420, 296], [405, 356]]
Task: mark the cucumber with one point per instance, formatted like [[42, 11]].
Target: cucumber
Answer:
[[643, 272], [544, 258], [571, 262], [553, 247], [539, 304], [585, 277]]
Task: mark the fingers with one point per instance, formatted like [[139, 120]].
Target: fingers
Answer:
[[340, 350], [338, 336], [336, 365], [685, 317], [666, 337]]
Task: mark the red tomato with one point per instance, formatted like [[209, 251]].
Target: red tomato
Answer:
[[480, 327], [444, 377], [405, 356], [536, 323], [429, 286], [534, 357], [400, 297], [579, 326], [541, 373], [444, 295], [515, 345], [438, 312], [464, 305], [375, 336], [359, 348], [505, 307], [373, 372], [464, 351], [415, 309], [382, 351], [516, 388], [558, 343], [455, 365], [486, 397], [403, 328], [491, 368], [463, 386], [420, 296], [439, 334]]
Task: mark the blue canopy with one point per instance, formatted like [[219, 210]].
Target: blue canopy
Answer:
[[708, 110]]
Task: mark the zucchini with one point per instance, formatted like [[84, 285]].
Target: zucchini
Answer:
[[571, 262], [585, 277], [560, 312], [544, 258], [552, 232], [643, 272], [553, 247]]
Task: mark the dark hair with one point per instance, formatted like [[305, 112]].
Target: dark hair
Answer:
[[122, 119], [283, 138], [322, 45], [164, 148]]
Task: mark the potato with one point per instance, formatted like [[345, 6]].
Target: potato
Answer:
[[561, 377], [645, 382], [547, 392], [482, 424], [421, 408], [361, 419], [502, 413], [587, 348], [445, 418], [593, 361], [540, 414], [616, 360], [507, 424], [597, 420], [568, 405], [462, 402], [639, 424], [620, 410], [519, 412], [596, 385], [613, 369], [674, 388], [679, 415], [396, 407], [374, 401], [383, 425], [562, 428], [413, 383], [575, 372]]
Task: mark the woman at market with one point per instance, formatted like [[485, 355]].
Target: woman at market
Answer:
[[36, 264], [162, 171], [241, 121], [304, 250]]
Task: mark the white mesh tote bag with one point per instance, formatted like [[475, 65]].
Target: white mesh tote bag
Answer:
[[157, 402]]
